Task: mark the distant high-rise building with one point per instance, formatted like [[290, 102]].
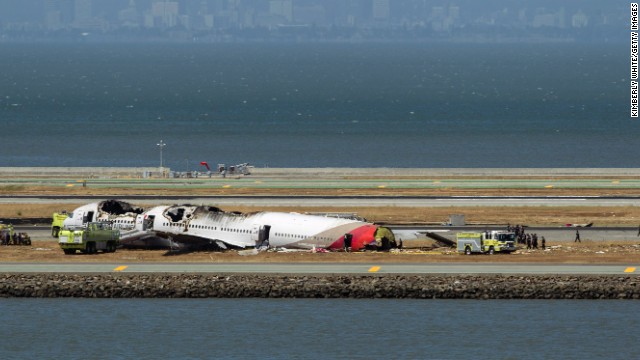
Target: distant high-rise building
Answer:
[[548, 19], [233, 4], [454, 12], [52, 15], [561, 17], [83, 16], [208, 21], [314, 14], [129, 16], [381, 9], [204, 8], [283, 8], [437, 12], [50, 5], [440, 18], [579, 20], [522, 17], [165, 13], [352, 12], [82, 11]]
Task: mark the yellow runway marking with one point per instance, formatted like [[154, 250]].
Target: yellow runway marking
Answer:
[[374, 269], [120, 268], [548, 186], [630, 270], [226, 186]]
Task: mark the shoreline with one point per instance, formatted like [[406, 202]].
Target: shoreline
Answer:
[[320, 286], [335, 172], [462, 286]]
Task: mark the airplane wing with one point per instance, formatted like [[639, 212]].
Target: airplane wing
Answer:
[[435, 234]]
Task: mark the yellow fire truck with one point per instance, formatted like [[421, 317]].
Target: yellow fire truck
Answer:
[[487, 242]]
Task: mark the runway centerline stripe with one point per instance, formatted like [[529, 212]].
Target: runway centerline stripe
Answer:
[[120, 268], [630, 270], [374, 269]]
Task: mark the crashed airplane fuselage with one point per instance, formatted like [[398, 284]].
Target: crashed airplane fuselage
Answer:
[[122, 214], [209, 227], [123, 217]]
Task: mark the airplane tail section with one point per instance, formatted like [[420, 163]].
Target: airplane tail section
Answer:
[[368, 236]]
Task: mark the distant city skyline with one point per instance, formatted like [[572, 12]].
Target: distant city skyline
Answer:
[[299, 20]]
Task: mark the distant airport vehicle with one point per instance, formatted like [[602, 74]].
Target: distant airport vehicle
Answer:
[[197, 227], [487, 242], [580, 225], [89, 239], [239, 169]]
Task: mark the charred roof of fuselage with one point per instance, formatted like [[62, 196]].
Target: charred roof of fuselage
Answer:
[[117, 207], [213, 210], [176, 213], [188, 212]]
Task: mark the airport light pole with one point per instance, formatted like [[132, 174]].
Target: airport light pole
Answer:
[[161, 144]]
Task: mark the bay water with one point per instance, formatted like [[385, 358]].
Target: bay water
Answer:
[[317, 105], [318, 329]]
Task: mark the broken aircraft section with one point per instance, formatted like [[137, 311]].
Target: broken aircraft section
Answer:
[[198, 227]]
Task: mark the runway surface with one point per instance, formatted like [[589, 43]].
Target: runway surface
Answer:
[[559, 234], [341, 268], [294, 179]]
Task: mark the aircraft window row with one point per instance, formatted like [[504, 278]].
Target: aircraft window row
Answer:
[[296, 236], [192, 226], [123, 221], [203, 227], [242, 231]]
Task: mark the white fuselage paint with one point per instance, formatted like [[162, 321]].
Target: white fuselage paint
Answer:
[[91, 213], [242, 230]]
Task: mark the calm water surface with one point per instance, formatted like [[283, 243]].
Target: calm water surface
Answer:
[[318, 329], [317, 105]]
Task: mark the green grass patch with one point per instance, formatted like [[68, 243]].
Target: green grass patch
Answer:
[[12, 188]]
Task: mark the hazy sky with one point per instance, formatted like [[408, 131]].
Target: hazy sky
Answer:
[[26, 10], [203, 20]]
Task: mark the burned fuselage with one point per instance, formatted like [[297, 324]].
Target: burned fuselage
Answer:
[[210, 227], [121, 213]]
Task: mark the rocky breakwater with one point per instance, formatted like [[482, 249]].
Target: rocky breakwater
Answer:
[[320, 286]]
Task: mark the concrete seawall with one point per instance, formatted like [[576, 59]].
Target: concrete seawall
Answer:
[[318, 286], [80, 172], [325, 173]]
